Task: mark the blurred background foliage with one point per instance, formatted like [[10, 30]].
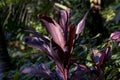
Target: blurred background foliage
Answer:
[[17, 15]]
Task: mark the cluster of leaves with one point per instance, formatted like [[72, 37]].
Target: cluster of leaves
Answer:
[[17, 13], [60, 48]]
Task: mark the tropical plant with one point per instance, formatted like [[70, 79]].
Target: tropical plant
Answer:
[[103, 19], [60, 48]]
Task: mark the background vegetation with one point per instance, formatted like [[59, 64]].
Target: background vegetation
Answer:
[[17, 15]]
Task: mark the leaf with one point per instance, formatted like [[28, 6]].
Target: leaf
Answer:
[[96, 55], [105, 54], [56, 54], [39, 70], [81, 25], [54, 29], [63, 21], [115, 35], [45, 38], [98, 35], [71, 36], [63, 18], [49, 50], [41, 45], [16, 76], [61, 72], [61, 6], [80, 71]]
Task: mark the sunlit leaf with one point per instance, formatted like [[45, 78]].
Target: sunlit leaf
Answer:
[[115, 35], [61, 6], [81, 25], [54, 29]]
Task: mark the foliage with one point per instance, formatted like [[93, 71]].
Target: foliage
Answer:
[[18, 14], [60, 48]]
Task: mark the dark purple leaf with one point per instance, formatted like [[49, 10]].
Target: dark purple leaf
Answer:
[[98, 70], [105, 54], [109, 53], [71, 37], [56, 54], [81, 25], [54, 29], [39, 70], [80, 71]]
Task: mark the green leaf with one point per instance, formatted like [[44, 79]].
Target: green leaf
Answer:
[[61, 6], [16, 76], [98, 35]]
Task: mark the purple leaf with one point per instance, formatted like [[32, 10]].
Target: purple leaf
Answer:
[[41, 45], [96, 56], [39, 70], [45, 38], [54, 29], [59, 73], [62, 72], [57, 49], [28, 70], [71, 36], [36, 42], [81, 25], [115, 35], [105, 54], [109, 53], [118, 40], [63, 19], [49, 50], [80, 71]]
